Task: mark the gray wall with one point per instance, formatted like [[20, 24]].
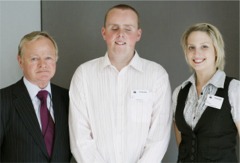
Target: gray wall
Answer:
[[16, 19], [76, 26]]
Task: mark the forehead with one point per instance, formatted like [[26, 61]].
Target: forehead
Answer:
[[39, 41], [38, 45], [118, 16], [199, 36]]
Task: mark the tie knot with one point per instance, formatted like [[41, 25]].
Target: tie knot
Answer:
[[42, 95]]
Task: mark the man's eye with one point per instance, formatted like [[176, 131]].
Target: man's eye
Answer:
[[33, 59], [114, 29]]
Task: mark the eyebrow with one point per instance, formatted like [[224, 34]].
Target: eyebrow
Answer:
[[125, 25], [201, 43]]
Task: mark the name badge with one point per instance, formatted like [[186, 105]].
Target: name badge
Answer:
[[214, 101], [140, 94]]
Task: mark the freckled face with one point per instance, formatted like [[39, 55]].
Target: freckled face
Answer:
[[121, 32], [38, 61], [200, 52]]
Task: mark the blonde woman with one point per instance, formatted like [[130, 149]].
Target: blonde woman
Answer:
[[206, 106]]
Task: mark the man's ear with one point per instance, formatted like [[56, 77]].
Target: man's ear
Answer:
[[139, 34], [103, 31]]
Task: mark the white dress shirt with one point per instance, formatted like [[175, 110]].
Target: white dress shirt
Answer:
[[33, 91], [195, 106], [120, 117]]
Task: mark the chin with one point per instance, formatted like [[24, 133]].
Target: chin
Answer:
[[45, 78]]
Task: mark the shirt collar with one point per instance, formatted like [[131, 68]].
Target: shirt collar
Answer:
[[217, 80], [106, 62], [136, 62], [34, 89]]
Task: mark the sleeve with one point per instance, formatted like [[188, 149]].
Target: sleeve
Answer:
[[174, 100], [160, 129], [5, 112], [1, 121], [83, 146], [234, 96]]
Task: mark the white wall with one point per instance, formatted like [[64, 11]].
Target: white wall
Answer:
[[17, 18]]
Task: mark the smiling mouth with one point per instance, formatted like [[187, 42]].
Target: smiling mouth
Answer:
[[198, 61], [120, 43]]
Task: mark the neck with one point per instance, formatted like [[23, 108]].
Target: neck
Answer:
[[42, 85], [202, 78], [120, 61]]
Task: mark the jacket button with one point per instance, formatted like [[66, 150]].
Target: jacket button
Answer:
[[193, 150], [193, 142], [192, 158]]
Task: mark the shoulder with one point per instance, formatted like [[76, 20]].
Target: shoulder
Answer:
[[90, 65], [151, 66], [234, 86], [60, 95], [9, 90], [235, 82], [58, 88], [59, 91], [179, 87], [9, 95], [176, 92], [233, 97]]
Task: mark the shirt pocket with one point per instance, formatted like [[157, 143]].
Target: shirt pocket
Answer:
[[140, 110]]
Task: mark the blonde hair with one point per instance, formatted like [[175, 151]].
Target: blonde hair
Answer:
[[34, 36], [216, 37]]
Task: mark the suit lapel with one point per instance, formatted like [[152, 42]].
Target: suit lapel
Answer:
[[57, 116], [24, 107]]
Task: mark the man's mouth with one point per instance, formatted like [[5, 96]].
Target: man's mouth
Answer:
[[120, 43]]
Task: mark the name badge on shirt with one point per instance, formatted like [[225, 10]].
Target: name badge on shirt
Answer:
[[140, 94], [214, 101]]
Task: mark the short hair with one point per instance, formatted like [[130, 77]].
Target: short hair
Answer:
[[123, 7], [216, 37], [34, 36]]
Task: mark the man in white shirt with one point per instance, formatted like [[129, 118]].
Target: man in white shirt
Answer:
[[120, 103]]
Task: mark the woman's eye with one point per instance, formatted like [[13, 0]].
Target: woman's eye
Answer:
[[204, 46], [190, 48]]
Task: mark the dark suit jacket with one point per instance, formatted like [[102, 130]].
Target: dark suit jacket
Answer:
[[21, 137]]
